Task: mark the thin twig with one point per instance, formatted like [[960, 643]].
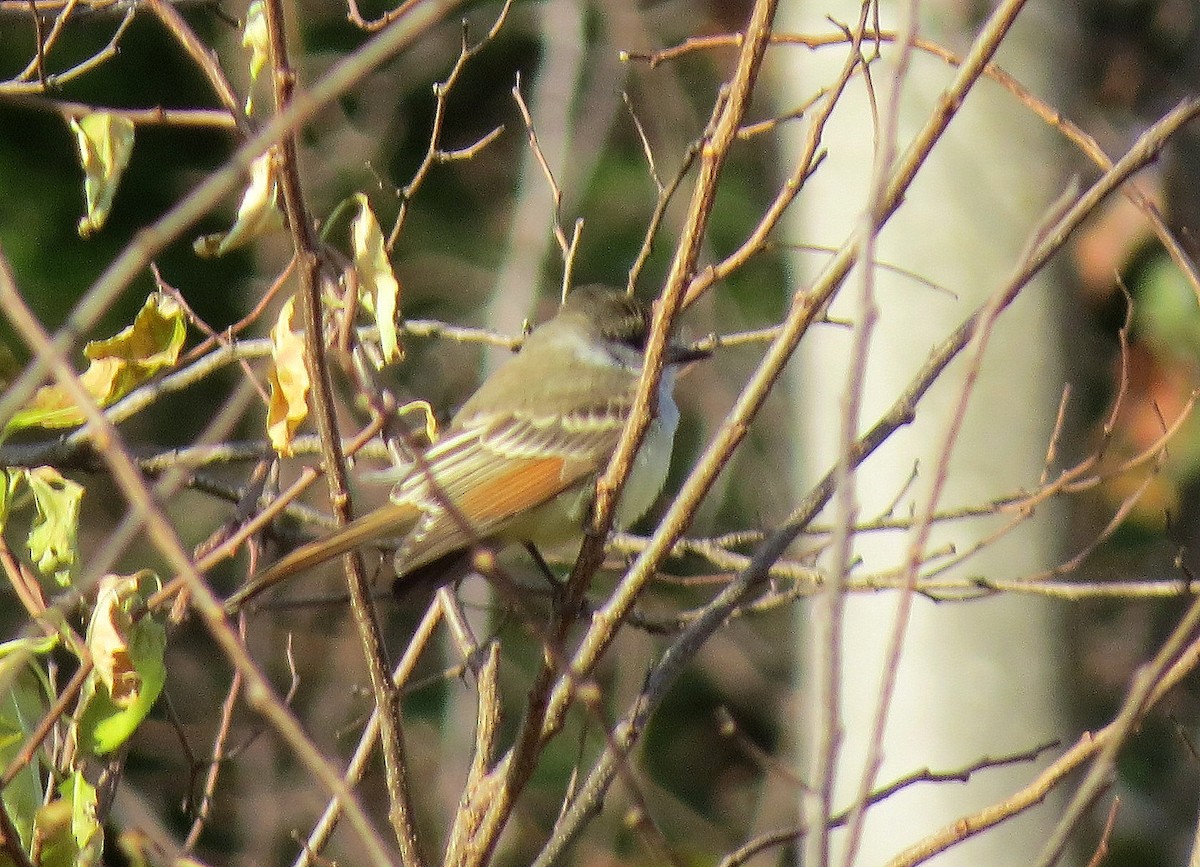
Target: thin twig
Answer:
[[163, 534], [362, 607], [10, 839], [543, 719], [1086, 143], [220, 740], [203, 57], [830, 622], [48, 81], [318, 837], [204, 118], [435, 154], [151, 240], [792, 836]]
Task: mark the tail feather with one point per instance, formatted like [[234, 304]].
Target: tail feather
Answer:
[[391, 521]]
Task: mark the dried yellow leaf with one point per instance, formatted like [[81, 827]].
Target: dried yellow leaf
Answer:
[[257, 215], [289, 382], [379, 290], [119, 364]]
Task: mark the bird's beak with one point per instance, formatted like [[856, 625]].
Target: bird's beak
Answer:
[[683, 355]]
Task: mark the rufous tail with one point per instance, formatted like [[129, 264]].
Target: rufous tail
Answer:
[[392, 521]]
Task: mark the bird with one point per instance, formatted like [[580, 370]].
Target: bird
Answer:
[[519, 460]]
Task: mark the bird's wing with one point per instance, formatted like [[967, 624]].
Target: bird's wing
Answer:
[[492, 467]]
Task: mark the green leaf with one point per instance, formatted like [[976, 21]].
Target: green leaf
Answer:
[[119, 364], [147, 645], [105, 145], [68, 828], [24, 699], [258, 40], [9, 482], [127, 652], [53, 539], [1166, 315]]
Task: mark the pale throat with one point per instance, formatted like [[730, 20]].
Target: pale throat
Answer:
[[561, 519]]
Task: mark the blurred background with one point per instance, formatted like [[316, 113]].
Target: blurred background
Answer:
[[476, 249]]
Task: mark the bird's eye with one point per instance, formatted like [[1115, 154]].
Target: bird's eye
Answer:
[[635, 340]]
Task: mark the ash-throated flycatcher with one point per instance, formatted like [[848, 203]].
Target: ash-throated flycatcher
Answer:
[[520, 459]]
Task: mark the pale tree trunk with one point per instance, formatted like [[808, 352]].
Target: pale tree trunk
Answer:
[[975, 679]]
